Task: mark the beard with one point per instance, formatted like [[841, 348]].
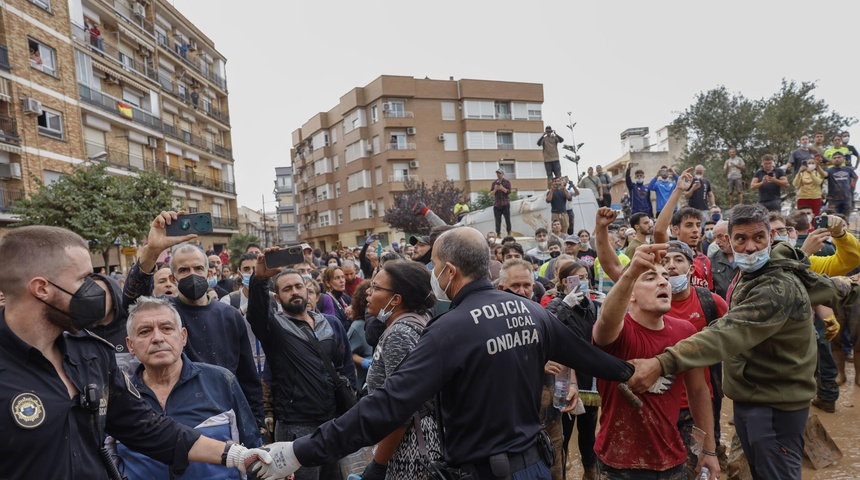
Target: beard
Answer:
[[60, 319], [294, 307]]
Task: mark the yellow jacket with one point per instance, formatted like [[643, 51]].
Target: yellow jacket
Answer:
[[808, 184], [847, 257]]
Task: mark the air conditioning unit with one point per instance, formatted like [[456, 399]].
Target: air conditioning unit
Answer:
[[153, 142], [10, 170], [411, 131], [31, 106], [441, 137], [413, 164], [386, 107], [139, 10], [370, 149]]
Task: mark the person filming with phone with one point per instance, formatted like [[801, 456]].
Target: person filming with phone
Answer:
[[769, 181]]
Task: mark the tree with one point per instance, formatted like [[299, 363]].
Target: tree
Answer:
[[237, 245], [486, 200], [439, 197], [720, 119], [106, 210]]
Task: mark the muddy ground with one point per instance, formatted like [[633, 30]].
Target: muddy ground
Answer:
[[843, 426]]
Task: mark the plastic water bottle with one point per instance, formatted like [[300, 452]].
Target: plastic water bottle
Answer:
[[562, 388], [705, 474]]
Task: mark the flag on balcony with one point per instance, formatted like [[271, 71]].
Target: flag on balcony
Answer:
[[124, 109]]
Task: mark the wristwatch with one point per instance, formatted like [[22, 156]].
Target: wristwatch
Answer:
[[229, 444]]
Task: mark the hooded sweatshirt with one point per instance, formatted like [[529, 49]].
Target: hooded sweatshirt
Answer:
[[115, 332], [766, 338]]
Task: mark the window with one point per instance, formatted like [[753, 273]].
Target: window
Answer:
[[355, 119], [481, 170], [452, 171], [375, 142], [333, 135], [502, 111], [526, 140], [51, 124], [337, 189], [479, 109], [374, 114], [51, 177], [526, 111], [398, 141], [336, 162], [534, 111], [46, 4], [325, 219], [378, 174], [339, 216], [42, 57], [319, 140], [481, 141], [84, 65], [449, 111], [216, 210], [131, 97], [450, 142], [395, 109], [356, 150], [358, 180], [505, 140], [509, 170], [193, 206], [526, 170], [135, 155], [400, 172]]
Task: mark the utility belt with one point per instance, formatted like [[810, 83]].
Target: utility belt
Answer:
[[497, 467]]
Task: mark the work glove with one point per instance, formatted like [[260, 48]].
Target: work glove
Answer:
[[365, 364], [282, 462], [374, 471], [662, 385], [243, 458], [573, 298], [832, 327]]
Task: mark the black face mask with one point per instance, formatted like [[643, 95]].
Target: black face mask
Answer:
[[193, 286], [87, 305], [554, 254]]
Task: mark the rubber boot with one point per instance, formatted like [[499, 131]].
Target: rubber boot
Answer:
[[839, 356]]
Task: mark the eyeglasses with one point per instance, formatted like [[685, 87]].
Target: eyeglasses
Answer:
[[374, 286]]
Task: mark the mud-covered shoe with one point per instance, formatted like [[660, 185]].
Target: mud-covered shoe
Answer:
[[824, 405]]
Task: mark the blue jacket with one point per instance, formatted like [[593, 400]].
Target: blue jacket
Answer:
[[663, 190], [640, 197], [208, 398]]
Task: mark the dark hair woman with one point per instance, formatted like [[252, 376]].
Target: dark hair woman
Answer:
[[335, 300], [362, 352], [400, 296]]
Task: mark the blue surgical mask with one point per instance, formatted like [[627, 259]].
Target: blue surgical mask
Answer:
[[383, 316], [751, 262], [716, 217], [678, 283], [212, 282], [246, 279], [709, 235], [583, 286], [783, 238]]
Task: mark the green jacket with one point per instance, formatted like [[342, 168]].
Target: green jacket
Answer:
[[766, 338]]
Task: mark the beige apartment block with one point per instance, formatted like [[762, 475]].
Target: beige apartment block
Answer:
[[129, 82], [352, 160]]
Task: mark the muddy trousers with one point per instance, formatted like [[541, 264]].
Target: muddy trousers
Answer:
[[772, 440]]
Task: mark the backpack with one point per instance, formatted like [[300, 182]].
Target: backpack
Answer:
[[709, 307], [236, 299]]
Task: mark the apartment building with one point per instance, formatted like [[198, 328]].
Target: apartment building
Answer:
[[288, 230], [129, 82], [351, 161], [263, 225]]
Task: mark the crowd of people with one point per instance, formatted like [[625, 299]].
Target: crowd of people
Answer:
[[446, 351]]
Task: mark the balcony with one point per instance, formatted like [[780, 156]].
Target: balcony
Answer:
[[116, 157], [216, 114], [503, 116], [9, 130], [223, 222], [108, 47], [399, 146], [192, 178], [185, 55], [4, 58], [506, 146], [403, 178], [112, 105], [197, 141], [8, 197], [397, 114]]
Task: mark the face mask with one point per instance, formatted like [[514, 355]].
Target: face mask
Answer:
[[783, 238], [716, 217], [709, 235], [511, 292], [699, 176], [751, 262], [193, 286], [212, 281], [333, 264], [679, 283], [87, 305], [845, 140], [542, 245], [554, 254], [640, 181], [437, 289], [383, 316], [664, 173], [804, 144], [583, 286], [246, 280]]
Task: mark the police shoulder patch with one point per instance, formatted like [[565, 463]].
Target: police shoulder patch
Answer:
[[129, 386], [27, 410]]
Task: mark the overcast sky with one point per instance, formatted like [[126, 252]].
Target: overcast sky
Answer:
[[613, 64]]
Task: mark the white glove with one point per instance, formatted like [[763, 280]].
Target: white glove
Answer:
[[283, 462], [573, 298], [599, 297], [662, 384], [242, 458]]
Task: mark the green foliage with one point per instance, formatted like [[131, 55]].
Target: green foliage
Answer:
[[486, 199], [237, 245], [100, 207], [439, 197], [720, 119]]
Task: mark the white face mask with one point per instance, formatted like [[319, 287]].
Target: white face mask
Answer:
[[332, 264], [699, 176], [542, 245], [845, 140], [679, 283], [438, 291]]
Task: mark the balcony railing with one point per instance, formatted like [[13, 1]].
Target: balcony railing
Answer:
[[223, 222], [192, 60], [215, 113], [117, 157], [399, 146], [4, 58], [193, 178], [506, 146], [9, 129], [107, 46], [403, 178], [397, 114], [197, 141], [8, 196], [503, 116], [117, 106], [125, 11]]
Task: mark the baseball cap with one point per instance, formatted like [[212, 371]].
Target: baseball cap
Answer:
[[305, 246], [676, 246], [571, 239], [499, 170], [425, 239]]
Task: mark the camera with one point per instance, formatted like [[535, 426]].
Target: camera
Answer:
[[190, 223]]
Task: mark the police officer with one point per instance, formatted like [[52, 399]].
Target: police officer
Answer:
[[60, 388], [486, 359]]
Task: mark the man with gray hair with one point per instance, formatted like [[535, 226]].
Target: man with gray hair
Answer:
[[171, 384], [217, 333], [485, 357]]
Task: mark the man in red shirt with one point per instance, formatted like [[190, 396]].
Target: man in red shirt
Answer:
[[631, 441], [687, 304]]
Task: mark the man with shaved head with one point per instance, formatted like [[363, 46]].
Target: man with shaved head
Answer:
[[485, 357]]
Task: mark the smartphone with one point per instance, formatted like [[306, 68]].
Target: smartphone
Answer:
[[819, 222], [188, 223], [573, 284], [285, 256]]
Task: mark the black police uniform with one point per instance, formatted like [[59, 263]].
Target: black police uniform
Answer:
[[45, 434], [486, 358]]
